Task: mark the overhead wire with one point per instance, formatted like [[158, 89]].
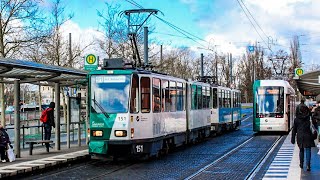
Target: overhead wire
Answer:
[[182, 31], [168, 34], [255, 20], [253, 25]]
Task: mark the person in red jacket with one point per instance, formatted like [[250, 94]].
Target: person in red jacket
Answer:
[[49, 124]]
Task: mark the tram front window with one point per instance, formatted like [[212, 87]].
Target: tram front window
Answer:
[[270, 102], [110, 93]]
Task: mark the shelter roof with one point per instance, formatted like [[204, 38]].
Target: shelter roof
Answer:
[[308, 83], [32, 72]]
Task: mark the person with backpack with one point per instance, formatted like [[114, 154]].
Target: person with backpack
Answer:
[[47, 118], [301, 130], [4, 142]]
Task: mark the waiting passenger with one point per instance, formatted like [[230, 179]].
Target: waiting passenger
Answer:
[[4, 142], [301, 129], [316, 116], [49, 124], [303, 99]]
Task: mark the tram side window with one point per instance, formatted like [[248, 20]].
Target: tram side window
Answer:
[[156, 95], [204, 98], [220, 95], [173, 94], [180, 96], [145, 94], [227, 99], [208, 97], [239, 100], [194, 98], [214, 98], [234, 99], [224, 96], [165, 95], [134, 108], [184, 95], [199, 95]]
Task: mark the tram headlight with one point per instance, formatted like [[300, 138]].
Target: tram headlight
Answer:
[[97, 133], [132, 132], [120, 133]]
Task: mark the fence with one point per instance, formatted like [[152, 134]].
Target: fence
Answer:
[[36, 132]]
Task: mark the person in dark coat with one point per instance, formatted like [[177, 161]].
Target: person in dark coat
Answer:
[[316, 116], [303, 99], [301, 129], [49, 124], [4, 142]]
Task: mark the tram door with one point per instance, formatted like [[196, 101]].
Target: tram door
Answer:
[[287, 111]]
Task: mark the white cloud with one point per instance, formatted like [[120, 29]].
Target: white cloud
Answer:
[[83, 37], [280, 20]]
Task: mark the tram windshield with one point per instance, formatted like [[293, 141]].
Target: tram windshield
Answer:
[[270, 102], [110, 93]]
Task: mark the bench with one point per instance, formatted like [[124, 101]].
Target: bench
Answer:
[[31, 143]]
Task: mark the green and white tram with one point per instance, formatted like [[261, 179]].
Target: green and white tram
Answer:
[[273, 106], [137, 112]]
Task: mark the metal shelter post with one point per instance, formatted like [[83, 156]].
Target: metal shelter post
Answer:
[[79, 126], [87, 115], [68, 121], [3, 116], [57, 115], [17, 118]]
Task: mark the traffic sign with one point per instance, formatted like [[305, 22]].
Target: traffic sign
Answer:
[[91, 62], [251, 48], [298, 71]]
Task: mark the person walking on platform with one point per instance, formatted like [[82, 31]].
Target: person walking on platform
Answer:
[[301, 129], [4, 142], [316, 116], [303, 99], [49, 124]]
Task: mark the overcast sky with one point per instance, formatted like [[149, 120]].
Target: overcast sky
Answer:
[[218, 22]]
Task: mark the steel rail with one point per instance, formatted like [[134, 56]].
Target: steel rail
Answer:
[[194, 175], [258, 166]]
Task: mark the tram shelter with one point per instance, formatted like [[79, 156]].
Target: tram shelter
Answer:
[[309, 83], [13, 71]]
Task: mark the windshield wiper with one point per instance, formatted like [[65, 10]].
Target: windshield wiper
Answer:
[[101, 108]]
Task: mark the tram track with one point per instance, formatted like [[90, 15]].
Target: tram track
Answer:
[[258, 166], [193, 176], [213, 168], [80, 168]]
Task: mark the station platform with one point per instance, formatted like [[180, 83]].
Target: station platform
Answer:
[[41, 160], [286, 163]]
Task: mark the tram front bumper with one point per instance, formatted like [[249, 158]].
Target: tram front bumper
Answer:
[[98, 147]]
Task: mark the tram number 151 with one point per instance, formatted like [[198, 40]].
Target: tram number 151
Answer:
[[139, 148]]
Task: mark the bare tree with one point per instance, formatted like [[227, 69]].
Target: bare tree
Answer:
[[252, 66], [20, 25], [56, 46], [115, 40], [177, 62]]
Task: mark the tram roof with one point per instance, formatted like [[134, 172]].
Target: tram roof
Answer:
[[32, 72], [308, 83]]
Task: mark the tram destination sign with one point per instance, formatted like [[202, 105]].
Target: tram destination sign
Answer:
[[91, 62]]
